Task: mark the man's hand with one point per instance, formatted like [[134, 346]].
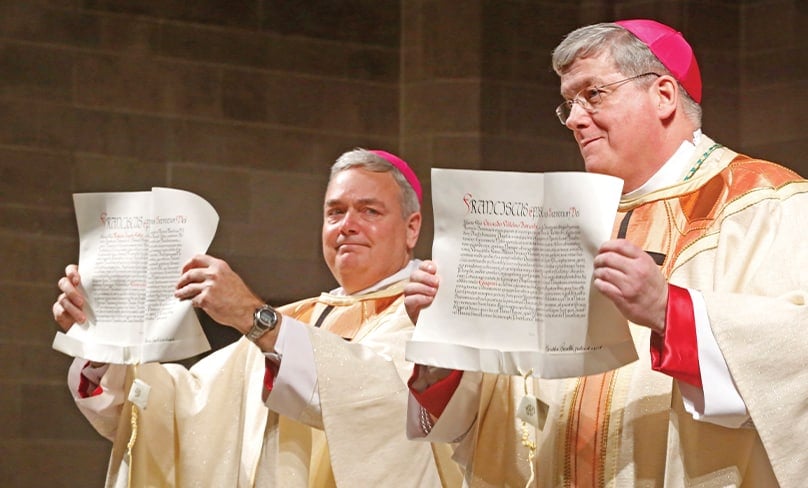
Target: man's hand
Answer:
[[420, 291], [631, 279], [67, 310], [211, 285]]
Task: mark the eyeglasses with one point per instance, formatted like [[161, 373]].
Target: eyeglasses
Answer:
[[590, 98]]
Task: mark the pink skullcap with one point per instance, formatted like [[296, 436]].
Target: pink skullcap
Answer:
[[671, 48], [405, 169]]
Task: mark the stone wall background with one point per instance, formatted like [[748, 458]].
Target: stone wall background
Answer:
[[247, 103]]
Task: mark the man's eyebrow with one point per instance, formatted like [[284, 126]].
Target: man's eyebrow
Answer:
[[362, 201], [573, 89], [371, 201]]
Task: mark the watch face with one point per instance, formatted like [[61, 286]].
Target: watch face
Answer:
[[267, 316]]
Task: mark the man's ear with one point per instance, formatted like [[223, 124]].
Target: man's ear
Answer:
[[667, 93], [413, 229]]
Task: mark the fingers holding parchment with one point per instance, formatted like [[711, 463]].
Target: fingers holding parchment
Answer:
[[67, 310], [214, 287], [631, 279], [420, 291]]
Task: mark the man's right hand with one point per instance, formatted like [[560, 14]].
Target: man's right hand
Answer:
[[68, 307], [420, 291]]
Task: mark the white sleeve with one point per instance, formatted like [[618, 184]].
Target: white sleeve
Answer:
[[295, 387], [102, 410], [718, 401]]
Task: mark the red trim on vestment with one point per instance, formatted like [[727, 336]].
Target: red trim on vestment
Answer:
[[436, 396], [87, 388], [270, 371], [676, 353]]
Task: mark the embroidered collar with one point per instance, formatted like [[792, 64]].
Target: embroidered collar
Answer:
[[672, 171]]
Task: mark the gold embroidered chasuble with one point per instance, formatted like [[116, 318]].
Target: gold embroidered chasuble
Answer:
[[209, 426], [628, 427]]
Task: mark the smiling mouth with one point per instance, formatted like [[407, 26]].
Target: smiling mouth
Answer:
[[347, 246], [586, 142]]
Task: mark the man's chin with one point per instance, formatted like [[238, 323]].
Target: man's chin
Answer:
[[349, 273], [349, 262], [595, 165]]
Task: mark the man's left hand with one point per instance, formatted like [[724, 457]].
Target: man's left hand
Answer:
[[631, 279]]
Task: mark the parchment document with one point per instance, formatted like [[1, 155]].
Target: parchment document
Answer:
[[515, 253], [132, 248]]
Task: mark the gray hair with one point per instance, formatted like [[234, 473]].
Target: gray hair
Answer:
[[630, 55], [365, 159]]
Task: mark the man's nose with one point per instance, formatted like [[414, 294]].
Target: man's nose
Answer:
[[349, 222], [577, 116]]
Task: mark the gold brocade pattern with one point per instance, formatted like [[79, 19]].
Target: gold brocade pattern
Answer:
[[667, 226], [752, 283], [587, 429], [350, 317]]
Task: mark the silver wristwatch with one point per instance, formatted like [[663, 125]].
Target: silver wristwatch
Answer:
[[265, 319]]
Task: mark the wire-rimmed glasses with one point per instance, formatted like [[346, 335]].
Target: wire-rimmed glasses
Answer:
[[591, 97]]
